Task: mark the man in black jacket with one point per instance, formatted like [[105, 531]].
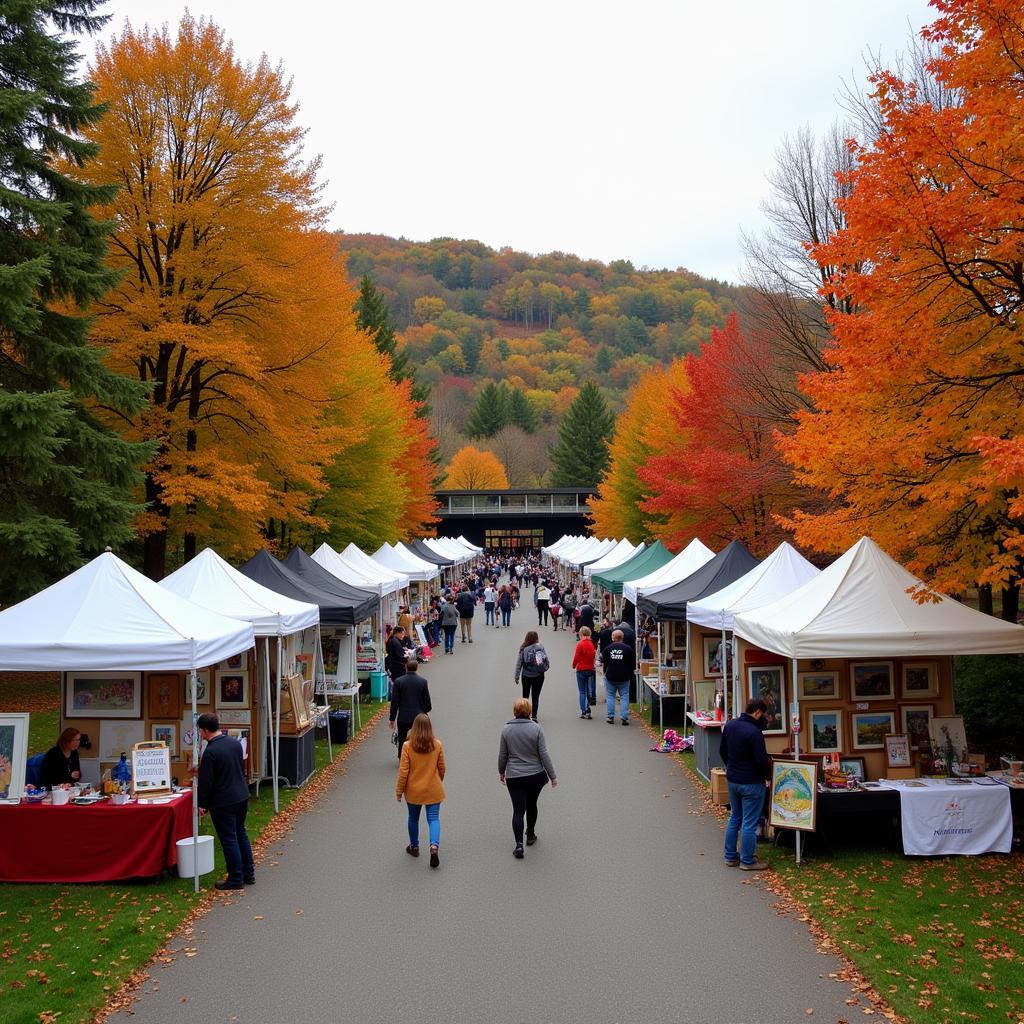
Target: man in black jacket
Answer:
[[746, 769], [224, 793], [409, 698], [619, 661], [466, 603], [394, 654]]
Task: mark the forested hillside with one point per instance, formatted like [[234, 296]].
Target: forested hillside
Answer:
[[537, 327]]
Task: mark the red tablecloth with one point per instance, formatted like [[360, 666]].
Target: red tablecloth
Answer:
[[101, 843]]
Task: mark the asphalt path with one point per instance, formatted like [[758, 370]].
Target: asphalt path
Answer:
[[623, 910]]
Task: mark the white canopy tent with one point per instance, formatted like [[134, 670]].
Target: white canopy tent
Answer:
[[450, 548], [686, 563], [861, 606], [552, 550], [578, 549], [622, 552], [209, 581], [392, 579], [471, 547], [595, 550], [106, 616], [415, 568]]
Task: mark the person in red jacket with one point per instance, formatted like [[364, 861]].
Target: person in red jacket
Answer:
[[583, 659]]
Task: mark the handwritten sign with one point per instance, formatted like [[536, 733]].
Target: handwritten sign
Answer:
[[151, 768]]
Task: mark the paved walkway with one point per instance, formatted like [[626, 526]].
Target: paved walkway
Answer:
[[622, 911]]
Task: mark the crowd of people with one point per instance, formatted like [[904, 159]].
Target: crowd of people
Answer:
[[524, 763]]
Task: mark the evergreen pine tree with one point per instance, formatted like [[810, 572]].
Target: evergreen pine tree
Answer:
[[580, 459], [491, 411], [65, 480], [521, 413], [374, 317]]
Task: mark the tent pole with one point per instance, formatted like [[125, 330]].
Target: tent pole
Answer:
[[270, 718], [277, 729], [796, 747], [723, 653], [195, 786], [323, 676]]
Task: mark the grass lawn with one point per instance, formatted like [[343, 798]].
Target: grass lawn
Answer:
[[66, 949], [939, 940]]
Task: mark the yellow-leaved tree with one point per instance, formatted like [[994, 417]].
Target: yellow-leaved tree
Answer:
[[473, 470], [233, 306]]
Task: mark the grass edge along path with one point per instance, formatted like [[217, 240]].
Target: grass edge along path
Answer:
[[74, 954], [937, 939], [273, 832], [786, 904]]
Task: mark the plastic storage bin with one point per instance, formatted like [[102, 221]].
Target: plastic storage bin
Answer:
[[379, 685], [338, 724], [186, 865]]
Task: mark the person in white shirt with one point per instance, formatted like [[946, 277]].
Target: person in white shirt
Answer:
[[490, 596]]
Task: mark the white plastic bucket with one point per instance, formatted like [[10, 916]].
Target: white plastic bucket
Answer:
[[59, 796], [186, 864]]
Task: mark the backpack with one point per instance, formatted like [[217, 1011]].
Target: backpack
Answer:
[[540, 658]]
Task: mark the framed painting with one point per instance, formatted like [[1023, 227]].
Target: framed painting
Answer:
[[794, 795], [13, 755], [825, 730], [677, 635], [232, 689], [298, 699], [117, 737], [817, 686], [166, 732], [163, 695], [871, 680], [949, 739], [713, 662], [235, 661], [769, 683], [920, 679], [897, 750], [704, 696], [202, 688], [103, 695], [230, 716], [916, 722], [304, 665], [869, 728], [853, 766], [243, 736]]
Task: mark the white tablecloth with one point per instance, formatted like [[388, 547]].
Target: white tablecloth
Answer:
[[939, 818]]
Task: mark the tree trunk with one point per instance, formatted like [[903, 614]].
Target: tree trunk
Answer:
[[1011, 603], [154, 547], [985, 598]]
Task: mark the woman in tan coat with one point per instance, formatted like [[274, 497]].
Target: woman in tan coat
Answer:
[[419, 779]]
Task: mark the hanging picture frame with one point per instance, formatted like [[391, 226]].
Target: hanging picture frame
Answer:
[[825, 730], [869, 728], [769, 683], [713, 660], [871, 680], [232, 689], [103, 695], [163, 695], [818, 685], [916, 722], [919, 679], [167, 733], [203, 694], [897, 750]]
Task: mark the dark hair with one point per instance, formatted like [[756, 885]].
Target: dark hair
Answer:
[[755, 704], [398, 629], [411, 665], [67, 736], [208, 721], [530, 638]]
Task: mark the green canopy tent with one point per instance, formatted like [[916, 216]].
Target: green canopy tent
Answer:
[[639, 565]]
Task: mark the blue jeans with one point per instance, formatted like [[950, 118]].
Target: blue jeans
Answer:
[[622, 689], [449, 638], [506, 616], [586, 682], [747, 802], [229, 823], [433, 821], [488, 613]]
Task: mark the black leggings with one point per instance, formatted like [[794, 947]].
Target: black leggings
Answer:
[[531, 691], [524, 792]]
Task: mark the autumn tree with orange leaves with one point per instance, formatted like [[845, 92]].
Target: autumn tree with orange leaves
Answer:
[[916, 431], [472, 470], [233, 305]]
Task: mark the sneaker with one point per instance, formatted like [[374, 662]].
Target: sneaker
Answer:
[[518, 852], [531, 838], [588, 716], [226, 885], [583, 714], [610, 720], [625, 721], [757, 865], [250, 880], [734, 863]]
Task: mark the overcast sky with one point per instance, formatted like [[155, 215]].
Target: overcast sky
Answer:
[[640, 130]]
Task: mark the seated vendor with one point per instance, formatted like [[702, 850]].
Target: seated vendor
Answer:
[[61, 762]]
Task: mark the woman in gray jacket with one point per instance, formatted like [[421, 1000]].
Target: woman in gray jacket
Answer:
[[524, 767], [531, 664]]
